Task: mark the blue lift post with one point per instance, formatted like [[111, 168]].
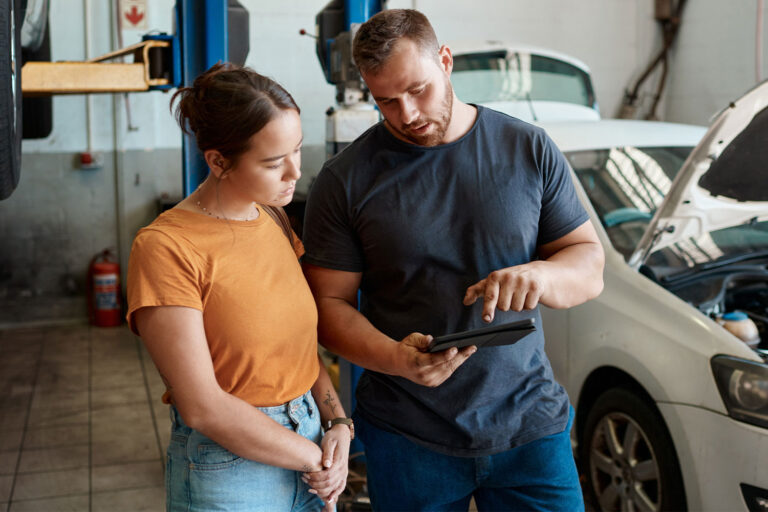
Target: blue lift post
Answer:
[[202, 28], [356, 12]]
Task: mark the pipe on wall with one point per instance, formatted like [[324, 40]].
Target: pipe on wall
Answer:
[[117, 150], [759, 43], [88, 97]]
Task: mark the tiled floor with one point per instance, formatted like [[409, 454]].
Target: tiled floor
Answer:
[[82, 427]]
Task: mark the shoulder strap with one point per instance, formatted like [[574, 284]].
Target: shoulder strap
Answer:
[[279, 216]]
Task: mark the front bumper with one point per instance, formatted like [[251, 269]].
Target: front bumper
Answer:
[[717, 454]]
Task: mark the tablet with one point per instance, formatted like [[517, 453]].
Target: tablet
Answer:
[[494, 336]]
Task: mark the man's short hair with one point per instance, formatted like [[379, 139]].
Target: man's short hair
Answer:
[[376, 38]]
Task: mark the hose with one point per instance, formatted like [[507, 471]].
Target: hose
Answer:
[[670, 29]]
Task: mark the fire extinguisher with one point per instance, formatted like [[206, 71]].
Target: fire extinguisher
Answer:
[[104, 300]]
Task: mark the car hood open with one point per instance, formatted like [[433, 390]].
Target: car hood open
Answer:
[[724, 181]]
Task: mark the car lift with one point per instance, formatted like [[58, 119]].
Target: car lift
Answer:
[[91, 76], [163, 62], [160, 62]]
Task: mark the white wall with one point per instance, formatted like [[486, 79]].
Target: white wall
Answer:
[[714, 59]]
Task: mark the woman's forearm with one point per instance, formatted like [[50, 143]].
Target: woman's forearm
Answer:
[[326, 397], [248, 432]]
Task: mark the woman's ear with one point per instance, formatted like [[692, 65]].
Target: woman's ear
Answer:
[[216, 163]]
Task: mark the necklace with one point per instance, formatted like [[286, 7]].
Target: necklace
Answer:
[[205, 210]]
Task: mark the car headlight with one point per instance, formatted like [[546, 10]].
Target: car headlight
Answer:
[[743, 385]]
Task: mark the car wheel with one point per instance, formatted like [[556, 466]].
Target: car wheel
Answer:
[[10, 96], [629, 457], [38, 111]]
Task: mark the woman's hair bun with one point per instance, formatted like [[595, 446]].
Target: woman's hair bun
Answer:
[[225, 106]]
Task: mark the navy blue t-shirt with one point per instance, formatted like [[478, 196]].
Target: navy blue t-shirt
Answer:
[[423, 224]]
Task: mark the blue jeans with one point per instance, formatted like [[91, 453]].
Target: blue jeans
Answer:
[[202, 475], [537, 476]]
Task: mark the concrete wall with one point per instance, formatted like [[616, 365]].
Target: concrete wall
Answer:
[[714, 60], [60, 215]]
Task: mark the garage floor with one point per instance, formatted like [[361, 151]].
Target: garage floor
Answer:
[[81, 423]]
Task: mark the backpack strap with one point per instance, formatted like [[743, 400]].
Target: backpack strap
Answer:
[[280, 217]]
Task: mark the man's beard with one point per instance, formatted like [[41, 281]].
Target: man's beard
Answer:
[[440, 125]]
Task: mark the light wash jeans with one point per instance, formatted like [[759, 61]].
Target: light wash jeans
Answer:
[[202, 475]]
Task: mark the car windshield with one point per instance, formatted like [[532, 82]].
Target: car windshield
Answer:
[[517, 76], [626, 185]]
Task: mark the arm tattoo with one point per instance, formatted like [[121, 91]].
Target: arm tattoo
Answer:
[[330, 402]]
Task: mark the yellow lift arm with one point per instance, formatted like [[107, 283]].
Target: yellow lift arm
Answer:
[[95, 75]]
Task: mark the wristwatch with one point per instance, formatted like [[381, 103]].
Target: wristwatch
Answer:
[[343, 421]]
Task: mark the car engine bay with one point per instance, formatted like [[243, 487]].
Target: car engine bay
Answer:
[[721, 292]]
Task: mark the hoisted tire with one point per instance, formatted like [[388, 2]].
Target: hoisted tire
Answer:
[[11, 19], [38, 111], [629, 457]]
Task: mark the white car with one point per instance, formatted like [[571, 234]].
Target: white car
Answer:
[[532, 84], [672, 407]]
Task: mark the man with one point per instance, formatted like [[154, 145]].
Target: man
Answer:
[[447, 216]]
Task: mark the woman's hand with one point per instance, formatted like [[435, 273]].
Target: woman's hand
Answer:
[[331, 481]]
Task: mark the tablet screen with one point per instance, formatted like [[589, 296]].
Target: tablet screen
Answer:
[[494, 336]]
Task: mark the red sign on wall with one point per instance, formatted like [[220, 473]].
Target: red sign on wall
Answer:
[[134, 14]]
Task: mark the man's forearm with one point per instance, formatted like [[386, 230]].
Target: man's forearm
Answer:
[[345, 331], [574, 275]]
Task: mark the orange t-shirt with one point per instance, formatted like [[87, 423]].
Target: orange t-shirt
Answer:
[[259, 314]]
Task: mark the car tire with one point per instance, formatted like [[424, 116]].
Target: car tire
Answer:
[[628, 456], [10, 96], [38, 112]]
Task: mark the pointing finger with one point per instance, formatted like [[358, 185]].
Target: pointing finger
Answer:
[[490, 298]]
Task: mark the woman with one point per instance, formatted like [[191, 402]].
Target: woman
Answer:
[[216, 293]]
